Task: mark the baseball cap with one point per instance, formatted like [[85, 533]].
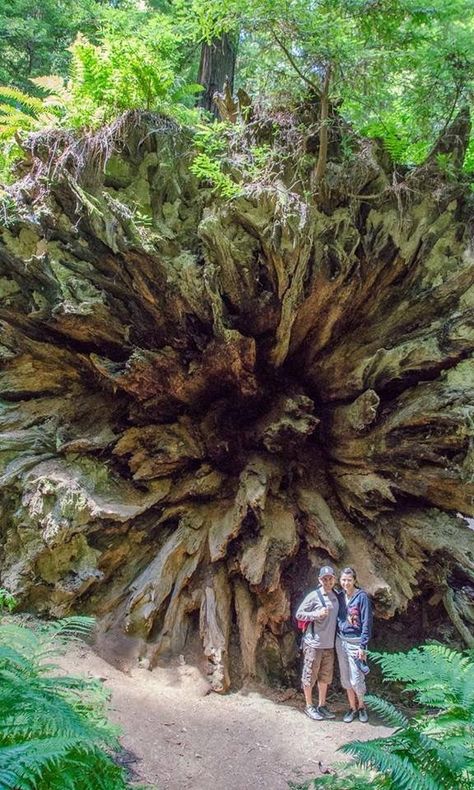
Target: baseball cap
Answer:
[[326, 570]]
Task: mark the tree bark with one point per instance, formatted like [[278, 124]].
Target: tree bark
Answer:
[[216, 69], [203, 401], [320, 169]]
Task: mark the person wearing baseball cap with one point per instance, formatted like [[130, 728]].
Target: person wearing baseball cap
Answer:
[[319, 610]]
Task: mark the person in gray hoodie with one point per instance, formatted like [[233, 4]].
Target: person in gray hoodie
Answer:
[[354, 629], [319, 610]]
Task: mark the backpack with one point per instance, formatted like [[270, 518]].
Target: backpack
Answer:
[[303, 624]]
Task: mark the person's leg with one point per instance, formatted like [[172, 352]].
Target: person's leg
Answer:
[[326, 672], [345, 674], [344, 671], [308, 679], [357, 679], [352, 699], [322, 693], [308, 694]]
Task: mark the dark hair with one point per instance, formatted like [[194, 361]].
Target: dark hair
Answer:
[[350, 572]]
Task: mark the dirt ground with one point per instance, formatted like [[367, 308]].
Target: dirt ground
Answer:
[[178, 736]]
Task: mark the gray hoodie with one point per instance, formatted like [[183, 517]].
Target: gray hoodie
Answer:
[[320, 633]]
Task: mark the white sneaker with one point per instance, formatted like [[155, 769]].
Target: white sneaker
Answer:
[[313, 713]]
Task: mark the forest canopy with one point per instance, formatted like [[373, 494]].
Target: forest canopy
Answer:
[[399, 70]]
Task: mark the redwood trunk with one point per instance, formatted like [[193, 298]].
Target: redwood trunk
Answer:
[[217, 68]]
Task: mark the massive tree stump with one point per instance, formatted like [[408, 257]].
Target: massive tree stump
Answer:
[[204, 400]]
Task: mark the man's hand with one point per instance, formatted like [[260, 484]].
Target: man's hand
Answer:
[[361, 654], [322, 613]]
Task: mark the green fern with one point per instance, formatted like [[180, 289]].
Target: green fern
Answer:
[[437, 675], [208, 169], [434, 750], [54, 733], [388, 712], [7, 600], [120, 73], [403, 774], [32, 103]]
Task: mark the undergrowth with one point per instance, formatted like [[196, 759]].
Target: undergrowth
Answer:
[[434, 750], [54, 730], [120, 74]]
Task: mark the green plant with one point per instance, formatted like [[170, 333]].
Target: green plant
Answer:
[[123, 73], [469, 158], [388, 66], [144, 71], [221, 143], [54, 734], [7, 600], [208, 169], [212, 143], [21, 113], [434, 750], [446, 165], [346, 777]]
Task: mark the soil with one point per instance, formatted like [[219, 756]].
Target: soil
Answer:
[[179, 736]]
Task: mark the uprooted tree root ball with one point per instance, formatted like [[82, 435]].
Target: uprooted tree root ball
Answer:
[[204, 399]]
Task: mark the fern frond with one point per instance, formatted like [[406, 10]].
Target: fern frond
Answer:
[[70, 628], [47, 640], [52, 83], [25, 99], [404, 775], [431, 751], [387, 711], [52, 729], [22, 765], [435, 673], [11, 111]]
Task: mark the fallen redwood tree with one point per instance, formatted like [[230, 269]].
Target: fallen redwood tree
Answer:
[[204, 399]]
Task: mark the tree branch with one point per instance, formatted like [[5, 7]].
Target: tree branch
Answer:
[[292, 61]]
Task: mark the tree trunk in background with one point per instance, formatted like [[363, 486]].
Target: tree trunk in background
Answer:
[[216, 68], [204, 400], [320, 169]]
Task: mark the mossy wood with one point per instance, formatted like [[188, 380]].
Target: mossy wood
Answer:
[[202, 400]]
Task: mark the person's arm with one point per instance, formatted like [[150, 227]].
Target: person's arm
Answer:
[[341, 612], [311, 609], [365, 605]]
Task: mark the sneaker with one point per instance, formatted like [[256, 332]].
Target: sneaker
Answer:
[[325, 713], [363, 715], [349, 716], [313, 713]]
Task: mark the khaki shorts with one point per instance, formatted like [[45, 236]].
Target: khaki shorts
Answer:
[[318, 664]]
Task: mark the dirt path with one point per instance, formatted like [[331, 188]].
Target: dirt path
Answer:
[[187, 739]]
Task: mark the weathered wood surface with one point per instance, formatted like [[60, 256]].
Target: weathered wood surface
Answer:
[[201, 401]]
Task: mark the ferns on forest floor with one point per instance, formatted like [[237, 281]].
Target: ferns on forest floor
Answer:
[[54, 734], [432, 751]]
